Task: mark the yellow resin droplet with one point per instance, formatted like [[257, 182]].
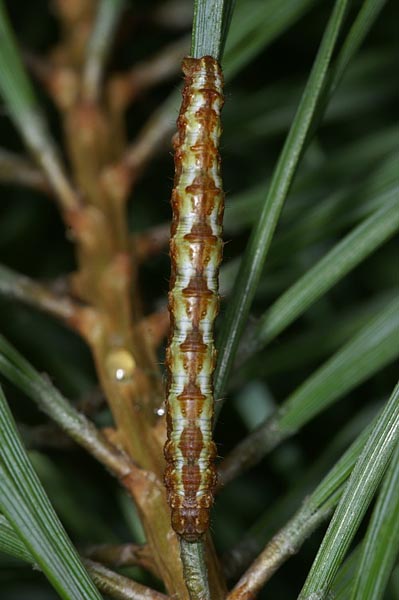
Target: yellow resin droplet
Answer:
[[120, 365]]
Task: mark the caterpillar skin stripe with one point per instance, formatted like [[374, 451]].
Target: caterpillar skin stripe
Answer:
[[196, 252]]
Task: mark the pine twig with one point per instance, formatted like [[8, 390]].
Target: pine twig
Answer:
[[72, 13], [106, 21], [173, 14], [47, 435], [60, 82], [317, 507], [155, 134], [155, 326], [111, 583], [53, 404], [238, 558], [33, 130], [124, 88], [27, 116], [119, 587], [267, 436], [121, 555], [76, 22], [119, 177], [92, 401], [150, 242], [283, 545], [22, 288], [18, 170]]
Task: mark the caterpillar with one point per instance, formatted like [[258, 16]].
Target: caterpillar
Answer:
[[196, 252]]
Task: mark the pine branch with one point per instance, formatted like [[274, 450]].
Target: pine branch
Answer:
[[121, 555], [152, 138], [59, 81], [150, 242], [75, 424], [119, 587], [282, 546], [124, 88], [98, 48], [18, 170], [20, 287]]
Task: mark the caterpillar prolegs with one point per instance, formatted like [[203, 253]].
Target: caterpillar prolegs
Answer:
[[196, 252]]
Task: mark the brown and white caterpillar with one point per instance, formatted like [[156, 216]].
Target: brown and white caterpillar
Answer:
[[196, 252]]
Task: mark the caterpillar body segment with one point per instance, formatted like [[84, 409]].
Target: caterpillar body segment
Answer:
[[196, 252]]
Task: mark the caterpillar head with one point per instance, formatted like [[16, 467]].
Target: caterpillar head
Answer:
[[190, 523]]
